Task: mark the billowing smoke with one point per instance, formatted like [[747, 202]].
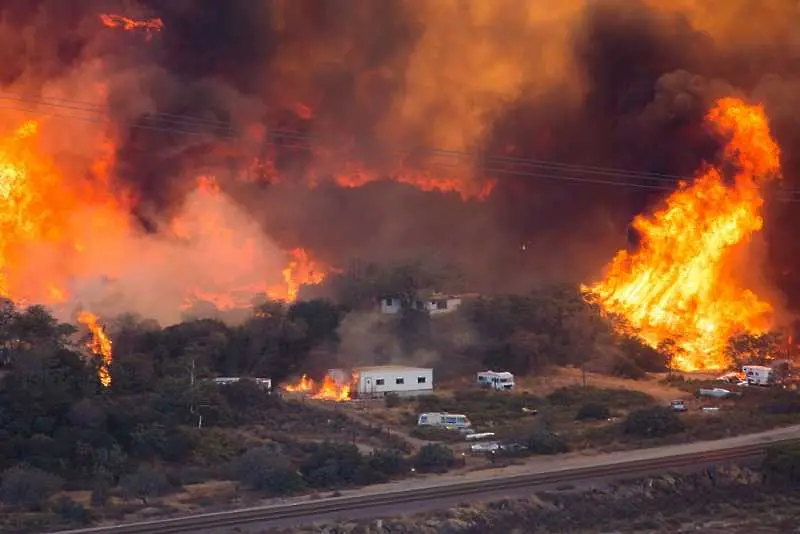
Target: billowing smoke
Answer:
[[294, 103]]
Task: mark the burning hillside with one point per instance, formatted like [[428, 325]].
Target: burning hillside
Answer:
[[393, 127], [679, 283]]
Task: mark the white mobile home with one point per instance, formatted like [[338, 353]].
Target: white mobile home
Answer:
[[383, 379]]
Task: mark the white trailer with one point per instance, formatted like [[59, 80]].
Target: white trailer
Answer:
[[759, 375], [379, 380], [500, 381]]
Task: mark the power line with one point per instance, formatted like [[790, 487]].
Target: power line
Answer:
[[188, 125]]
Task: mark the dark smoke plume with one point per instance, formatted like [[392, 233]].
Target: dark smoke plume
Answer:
[[605, 83]]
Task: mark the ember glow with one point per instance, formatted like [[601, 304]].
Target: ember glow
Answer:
[[129, 24], [679, 284], [100, 345]]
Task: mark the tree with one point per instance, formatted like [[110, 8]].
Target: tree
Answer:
[[543, 441], [747, 348], [672, 351], [332, 464]]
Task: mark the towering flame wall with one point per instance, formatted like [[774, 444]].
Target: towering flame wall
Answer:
[[678, 285]]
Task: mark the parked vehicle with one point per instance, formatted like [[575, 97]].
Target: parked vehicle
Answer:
[[446, 420], [759, 375], [477, 436], [717, 393], [484, 447], [678, 406], [499, 381]]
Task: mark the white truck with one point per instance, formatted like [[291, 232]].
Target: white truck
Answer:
[[499, 381], [759, 375]]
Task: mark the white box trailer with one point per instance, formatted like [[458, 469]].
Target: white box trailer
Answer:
[[759, 375], [497, 380], [377, 381]]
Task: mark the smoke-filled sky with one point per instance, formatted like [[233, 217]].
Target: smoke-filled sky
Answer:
[[370, 87]]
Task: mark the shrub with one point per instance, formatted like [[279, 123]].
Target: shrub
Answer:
[[543, 441], [593, 410], [145, 483], [781, 464], [71, 511], [262, 469], [433, 433], [332, 464], [434, 458], [627, 368], [653, 422], [28, 487], [613, 398]]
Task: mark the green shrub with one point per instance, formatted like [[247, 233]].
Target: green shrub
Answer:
[[262, 469], [653, 422], [434, 458], [593, 410], [626, 368], [71, 511], [542, 441], [781, 464]]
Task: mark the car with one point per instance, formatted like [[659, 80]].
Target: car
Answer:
[[678, 405], [487, 446]]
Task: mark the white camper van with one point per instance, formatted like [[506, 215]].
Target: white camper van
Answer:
[[759, 375], [446, 420], [500, 381]]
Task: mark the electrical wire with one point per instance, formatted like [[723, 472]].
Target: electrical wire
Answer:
[[492, 165]]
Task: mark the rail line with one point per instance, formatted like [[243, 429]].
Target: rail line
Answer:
[[301, 511]]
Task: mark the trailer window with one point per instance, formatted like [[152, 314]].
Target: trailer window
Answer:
[[399, 381], [379, 381], [421, 380]]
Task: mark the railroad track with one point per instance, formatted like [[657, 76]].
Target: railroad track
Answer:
[[262, 516]]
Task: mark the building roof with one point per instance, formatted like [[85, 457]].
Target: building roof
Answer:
[[388, 368]]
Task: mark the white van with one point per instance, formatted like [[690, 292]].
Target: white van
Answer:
[[446, 420], [500, 381]]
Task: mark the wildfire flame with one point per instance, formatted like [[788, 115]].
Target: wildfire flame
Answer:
[[329, 389], [100, 345], [679, 284], [111, 20], [300, 270]]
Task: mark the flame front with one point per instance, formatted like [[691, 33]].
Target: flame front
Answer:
[[100, 345], [680, 284], [329, 389]]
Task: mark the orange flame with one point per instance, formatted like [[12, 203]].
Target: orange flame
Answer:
[[111, 20], [100, 345], [304, 385], [680, 284], [43, 223], [301, 270], [329, 390]]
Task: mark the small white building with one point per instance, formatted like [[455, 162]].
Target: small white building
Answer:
[[436, 304], [382, 379]]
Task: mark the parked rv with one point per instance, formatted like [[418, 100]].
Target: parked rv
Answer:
[[446, 420], [500, 381], [759, 375]]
